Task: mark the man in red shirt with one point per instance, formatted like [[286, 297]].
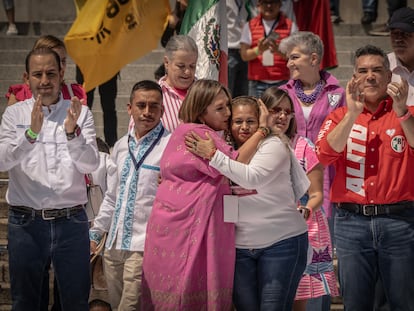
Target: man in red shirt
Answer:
[[370, 142]]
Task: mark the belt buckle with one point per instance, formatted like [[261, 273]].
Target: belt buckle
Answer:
[[369, 210], [44, 217]]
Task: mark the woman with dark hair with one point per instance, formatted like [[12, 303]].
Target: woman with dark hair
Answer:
[[319, 276]]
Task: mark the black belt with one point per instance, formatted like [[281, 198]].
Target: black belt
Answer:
[[376, 209], [49, 214]]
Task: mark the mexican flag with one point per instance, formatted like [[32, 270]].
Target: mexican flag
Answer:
[[205, 21]]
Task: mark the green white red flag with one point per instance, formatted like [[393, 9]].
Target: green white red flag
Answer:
[[205, 21]]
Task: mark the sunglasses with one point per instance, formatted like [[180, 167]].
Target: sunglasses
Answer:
[[277, 110]]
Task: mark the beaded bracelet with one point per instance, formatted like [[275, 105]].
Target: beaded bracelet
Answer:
[[264, 131], [256, 50], [404, 117]]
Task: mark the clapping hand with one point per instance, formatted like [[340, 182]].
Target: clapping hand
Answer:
[[355, 95], [37, 115], [399, 94], [72, 115]]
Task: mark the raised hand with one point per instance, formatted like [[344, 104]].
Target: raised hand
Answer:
[[399, 94], [37, 115], [72, 115], [355, 95], [264, 114]]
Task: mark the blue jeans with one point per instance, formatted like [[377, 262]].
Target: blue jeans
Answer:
[[237, 74], [33, 244], [369, 248], [256, 88], [322, 303], [370, 6], [267, 278]]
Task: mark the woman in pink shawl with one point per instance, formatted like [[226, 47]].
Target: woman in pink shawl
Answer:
[[189, 249]]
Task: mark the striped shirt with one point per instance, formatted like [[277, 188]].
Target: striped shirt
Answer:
[[172, 102]]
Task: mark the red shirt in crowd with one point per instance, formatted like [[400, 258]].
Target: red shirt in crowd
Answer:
[[377, 164]]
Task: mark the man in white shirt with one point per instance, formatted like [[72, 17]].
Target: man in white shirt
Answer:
[[47, 144], [133, 174], [402, 41]]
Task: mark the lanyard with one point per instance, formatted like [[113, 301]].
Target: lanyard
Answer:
[[271, 28], [139, 163]]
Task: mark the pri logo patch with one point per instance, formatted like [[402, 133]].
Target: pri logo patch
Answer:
[[333, 99], [212, 42], [398, 143]]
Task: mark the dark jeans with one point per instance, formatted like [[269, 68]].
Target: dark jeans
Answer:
[[334, 4], [237, 74], [392, 5], [33, 244], [107, 93], [372, 248], [322, 303], [266, 279]]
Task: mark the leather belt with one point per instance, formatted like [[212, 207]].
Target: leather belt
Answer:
[[49, 214], [376, 209]]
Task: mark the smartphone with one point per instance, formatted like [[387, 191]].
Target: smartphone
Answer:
[[273, 36]]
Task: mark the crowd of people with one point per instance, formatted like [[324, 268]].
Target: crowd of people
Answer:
[[220, 198]]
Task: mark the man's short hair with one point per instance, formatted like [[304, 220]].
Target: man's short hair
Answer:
[[42, 51], [145, 85], [372, 50]]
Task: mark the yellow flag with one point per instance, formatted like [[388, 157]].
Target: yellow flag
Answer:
[[109, 34], [79, 4]]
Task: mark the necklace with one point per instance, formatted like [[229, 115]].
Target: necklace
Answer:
[[308, 99]]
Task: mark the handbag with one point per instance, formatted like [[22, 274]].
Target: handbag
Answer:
[[300, 181], [95, 198], [98, 280]]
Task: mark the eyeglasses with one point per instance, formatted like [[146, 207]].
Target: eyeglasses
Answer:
[[277, 110]]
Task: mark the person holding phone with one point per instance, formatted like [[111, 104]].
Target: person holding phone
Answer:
[[259, 47]]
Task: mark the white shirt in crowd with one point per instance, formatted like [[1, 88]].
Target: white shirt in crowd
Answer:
[[398, 71], [51, 172], [126, 222], [270, 215]]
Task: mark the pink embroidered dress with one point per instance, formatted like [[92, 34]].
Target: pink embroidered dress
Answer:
[[189, 249], [319, 277]]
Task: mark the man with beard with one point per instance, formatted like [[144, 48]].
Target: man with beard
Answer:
[[402, 41], [133, 173]]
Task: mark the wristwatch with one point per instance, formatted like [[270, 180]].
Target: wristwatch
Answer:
[[76, 132]]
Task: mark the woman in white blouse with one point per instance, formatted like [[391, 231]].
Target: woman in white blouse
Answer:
[[271, 235]]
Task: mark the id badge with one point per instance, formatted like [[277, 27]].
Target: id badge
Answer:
[[231, 208], [267, 58]]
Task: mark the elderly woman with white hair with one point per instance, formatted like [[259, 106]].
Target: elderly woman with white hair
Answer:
[[315, 94]]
